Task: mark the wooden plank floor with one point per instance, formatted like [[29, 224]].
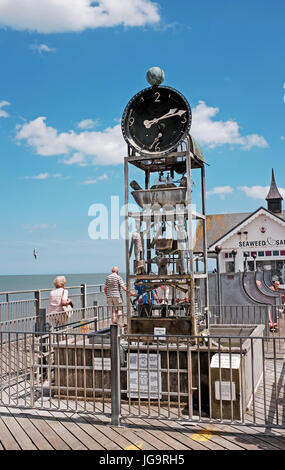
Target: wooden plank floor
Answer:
[[23, 428], [31, 429], [51, 429]]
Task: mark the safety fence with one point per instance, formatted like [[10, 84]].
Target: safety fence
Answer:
[[89, 318], [234, 376], [26, 303], [269, 315]]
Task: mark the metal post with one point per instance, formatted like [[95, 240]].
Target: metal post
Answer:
[[254, 260], [40, 321], [218, 251], [38, 301], [83, 296], [37, 308], [190, 264], [115, 376], [95, 303], [126, 215], [246, 255], [234, 253]]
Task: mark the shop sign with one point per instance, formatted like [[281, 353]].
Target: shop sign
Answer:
[[256, 243]]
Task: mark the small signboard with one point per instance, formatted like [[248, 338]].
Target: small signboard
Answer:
[[144, 376], [101, 363], [225, 361], [160, 333], [225, 391]]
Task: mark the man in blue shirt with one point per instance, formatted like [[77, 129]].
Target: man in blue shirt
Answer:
[[145, 299]]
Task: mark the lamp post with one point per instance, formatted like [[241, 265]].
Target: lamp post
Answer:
[[254, 254], [234, 253], [246, 255], [218, 249]]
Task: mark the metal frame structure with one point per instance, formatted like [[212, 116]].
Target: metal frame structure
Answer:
[[166, 163]]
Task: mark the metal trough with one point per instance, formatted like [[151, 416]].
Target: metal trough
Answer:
[[169, 196]]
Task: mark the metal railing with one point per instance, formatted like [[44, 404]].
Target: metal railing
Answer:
[[18, 304], [235, 378], [267, 315]]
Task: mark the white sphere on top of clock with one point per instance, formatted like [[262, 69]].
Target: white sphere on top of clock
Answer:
[[155, 76]]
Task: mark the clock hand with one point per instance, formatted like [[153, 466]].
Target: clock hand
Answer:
[[171, 112], [156, 140]]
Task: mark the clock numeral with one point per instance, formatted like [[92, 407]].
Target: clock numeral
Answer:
[[184, 120], [157, 148], [142, 100], [157, 94], [131, 121]]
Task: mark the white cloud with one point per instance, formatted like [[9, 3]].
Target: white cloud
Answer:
[[76, 159], [44, 176], [90, 147], [40, 48], [105, 147], [259, 192], [95, 180], [4, 113], [282, 137], [50, 16], [215, 133], [87, 124], [33, 227], [220, 190], [41, 176]]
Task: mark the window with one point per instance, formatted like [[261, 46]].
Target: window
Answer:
[[261, 253], [275, 253], [268, 253]]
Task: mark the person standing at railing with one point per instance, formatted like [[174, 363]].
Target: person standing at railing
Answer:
[[113, 285], [58, 299]]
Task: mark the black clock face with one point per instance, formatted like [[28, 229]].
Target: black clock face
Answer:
[[156, 120]]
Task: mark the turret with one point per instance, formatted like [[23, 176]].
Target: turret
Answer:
[[274, 198]]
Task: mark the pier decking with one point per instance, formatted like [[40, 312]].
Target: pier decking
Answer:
[[22, 429], [37, 429], [80, 426]]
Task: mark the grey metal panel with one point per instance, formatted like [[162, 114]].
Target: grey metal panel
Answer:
[[265, 289], [249, 284], [237, 307], [233, 292], [213, 288]]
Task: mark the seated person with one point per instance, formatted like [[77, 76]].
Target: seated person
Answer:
[[145, 299], [163, 296]]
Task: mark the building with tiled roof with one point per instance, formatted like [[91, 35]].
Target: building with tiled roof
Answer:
[[253, 240]]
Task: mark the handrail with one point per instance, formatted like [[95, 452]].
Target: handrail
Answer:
[[46, 289]]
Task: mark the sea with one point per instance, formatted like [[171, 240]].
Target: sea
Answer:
[[45, 281]]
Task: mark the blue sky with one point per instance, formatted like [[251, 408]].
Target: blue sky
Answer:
[[68, 70]]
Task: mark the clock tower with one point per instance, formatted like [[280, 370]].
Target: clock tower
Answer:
[[161, 266]]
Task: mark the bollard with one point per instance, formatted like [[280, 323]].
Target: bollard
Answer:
[[115, 376]]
